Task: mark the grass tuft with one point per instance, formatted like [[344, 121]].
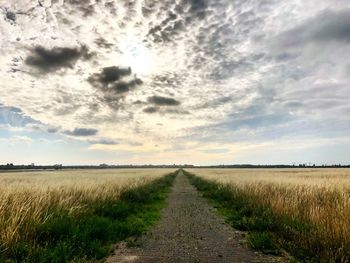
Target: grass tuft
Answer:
[[263, 241]]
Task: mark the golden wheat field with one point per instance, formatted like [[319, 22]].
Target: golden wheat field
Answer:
[[327, 177], [27, 198], [317, 196]]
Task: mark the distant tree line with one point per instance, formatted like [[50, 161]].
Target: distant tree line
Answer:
[[276, 166], [11, 166]]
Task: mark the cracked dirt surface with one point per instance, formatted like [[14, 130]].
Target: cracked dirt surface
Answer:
[[189, 231]]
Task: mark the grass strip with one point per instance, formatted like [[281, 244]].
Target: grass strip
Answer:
[[88, 236], [266, 231]]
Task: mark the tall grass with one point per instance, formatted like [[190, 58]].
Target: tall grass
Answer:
[[32, 201], [306, 212]]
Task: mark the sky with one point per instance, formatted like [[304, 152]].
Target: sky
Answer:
[[175, 81]]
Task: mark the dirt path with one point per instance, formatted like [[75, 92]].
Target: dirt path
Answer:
[[189, 231]]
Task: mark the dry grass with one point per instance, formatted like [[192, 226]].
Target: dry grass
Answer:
[[30, 198], [328, 178], [313, 197]]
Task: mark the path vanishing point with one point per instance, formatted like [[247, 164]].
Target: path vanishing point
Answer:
[[189, 231]]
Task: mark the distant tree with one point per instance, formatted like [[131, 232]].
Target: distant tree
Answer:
[[57, 166]]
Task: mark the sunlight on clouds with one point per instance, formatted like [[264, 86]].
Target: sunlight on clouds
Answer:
[[136, 55], [132, 147], [220, 79]]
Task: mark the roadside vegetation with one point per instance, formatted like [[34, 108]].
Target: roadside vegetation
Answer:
[[79, 220], [309, 221]]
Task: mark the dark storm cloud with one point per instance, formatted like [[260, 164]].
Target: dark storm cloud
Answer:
[[164, 105], [151, 109], [11, 16], [81, 132], [163, 101], [49, 60], [123, 86], [109, 80], [112, 83], [109, 75], [328, 26]]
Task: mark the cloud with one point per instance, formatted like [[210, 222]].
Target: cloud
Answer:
[[11, 16], [208, 68], [175, 22], [164, 31], [151, 109], [161, 104], [176, 111], [49, 60], [53, 129], [163, 101], [216, 151], [14, 117], [103, 43], [110, 75], [197, 7], [82, 132], [217, 102], [328, 26], [257, 121], [104, 141], [17, 139], [86, 8], [109, 80], [112, 82], [125, 86]]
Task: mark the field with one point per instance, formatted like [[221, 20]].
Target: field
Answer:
[[76, 215], [39, 210], [305, 212]]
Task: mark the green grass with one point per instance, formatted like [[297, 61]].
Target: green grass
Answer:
[[265, 231], [89, 236]]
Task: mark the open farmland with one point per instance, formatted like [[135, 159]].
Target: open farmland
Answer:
[[303, 211], [40, 209], [80, 178]]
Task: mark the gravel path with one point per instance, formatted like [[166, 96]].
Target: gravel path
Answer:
[[189, 231]]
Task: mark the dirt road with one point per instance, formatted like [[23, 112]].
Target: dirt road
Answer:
[[189, 231]]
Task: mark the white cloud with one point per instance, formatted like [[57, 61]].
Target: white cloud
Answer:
[[240, 70], [16, 140]]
